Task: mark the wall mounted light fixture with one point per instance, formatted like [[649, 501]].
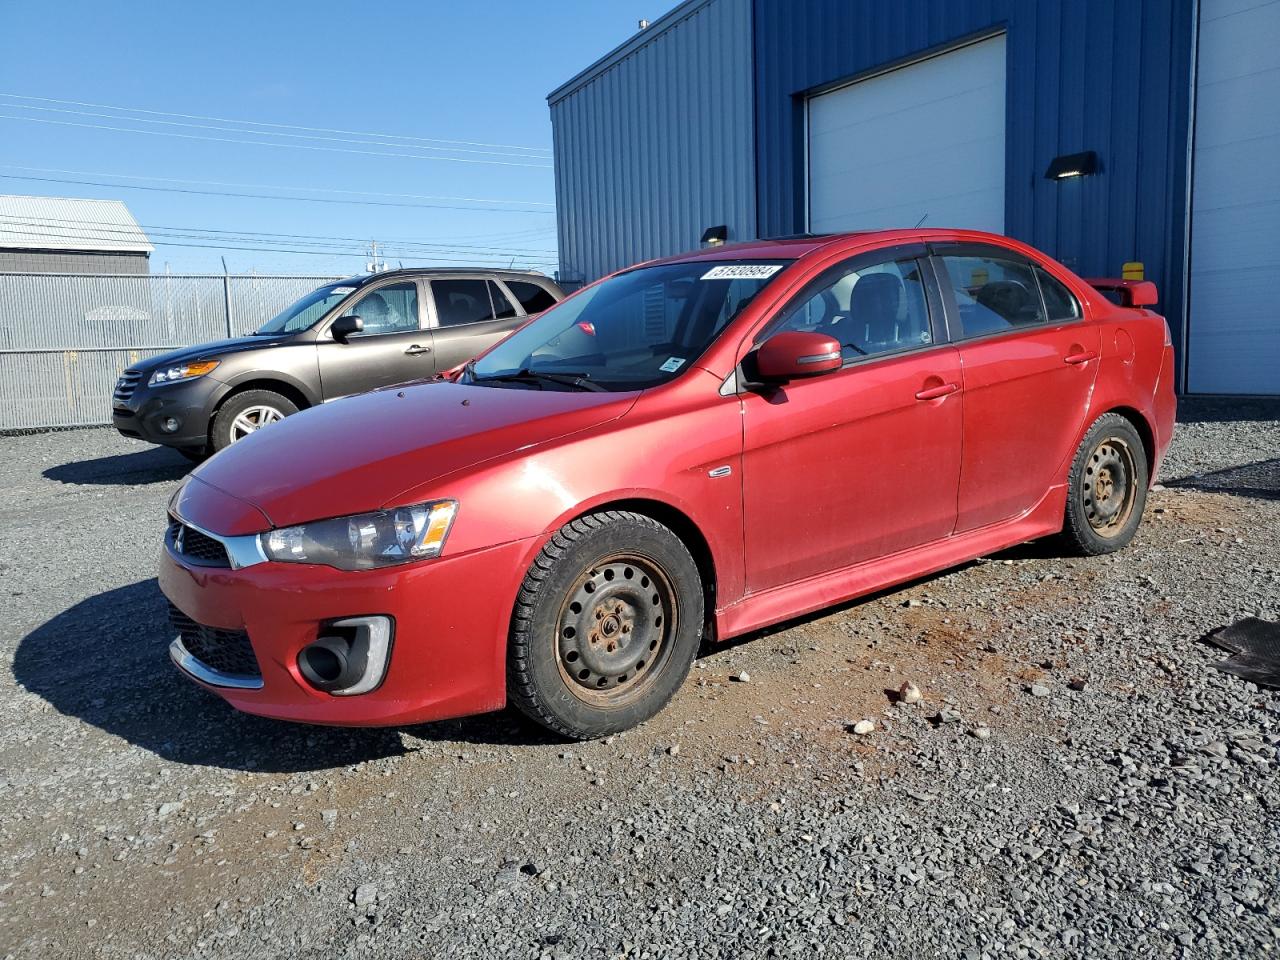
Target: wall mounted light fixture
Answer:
[[714, 236], [1072, 165]]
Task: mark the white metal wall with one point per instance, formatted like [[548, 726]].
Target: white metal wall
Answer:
[[926, 139], [1234, 344]]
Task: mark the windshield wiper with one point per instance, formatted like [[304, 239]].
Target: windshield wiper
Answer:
[[581, 381]]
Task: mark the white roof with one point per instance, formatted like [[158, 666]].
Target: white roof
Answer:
[[69, 223]]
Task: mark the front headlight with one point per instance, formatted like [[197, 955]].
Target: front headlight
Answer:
[[365, 540], [183, 371]]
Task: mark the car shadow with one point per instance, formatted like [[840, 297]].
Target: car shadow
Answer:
[[105, 661], [153, 465]]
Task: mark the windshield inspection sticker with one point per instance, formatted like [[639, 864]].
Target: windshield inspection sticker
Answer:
[[672, 365], [743, 271]]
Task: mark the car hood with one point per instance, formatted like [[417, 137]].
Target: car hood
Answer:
[[357, 454], [213, 350]]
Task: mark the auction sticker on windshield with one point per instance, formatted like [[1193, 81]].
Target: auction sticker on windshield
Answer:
[[672, 365], [742, 271]]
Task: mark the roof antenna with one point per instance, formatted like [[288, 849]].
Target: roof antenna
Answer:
[[921, 221]]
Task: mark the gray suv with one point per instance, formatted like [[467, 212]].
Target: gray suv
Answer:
[[342, 338]]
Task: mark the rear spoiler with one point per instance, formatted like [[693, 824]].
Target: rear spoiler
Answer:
[[1127, 293]]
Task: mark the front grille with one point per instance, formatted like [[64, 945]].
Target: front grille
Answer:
[[226, 651], [125, 386], [198, 548]]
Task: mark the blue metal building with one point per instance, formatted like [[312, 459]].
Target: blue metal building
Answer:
[[773, 117]]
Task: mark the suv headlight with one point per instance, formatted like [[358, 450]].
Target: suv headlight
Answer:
[[183, 371], [365, 540]]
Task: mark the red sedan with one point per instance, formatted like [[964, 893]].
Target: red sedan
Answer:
[[695, 447]]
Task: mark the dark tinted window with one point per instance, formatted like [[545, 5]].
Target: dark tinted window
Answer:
[[502, 308], [994, 294], [391, 309], [531, 296], [1058, 300], [461, 301], [876, 308]]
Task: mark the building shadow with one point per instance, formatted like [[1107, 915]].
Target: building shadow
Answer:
[[105, 661], [1260, 479], [1227, 409], [153, 465]]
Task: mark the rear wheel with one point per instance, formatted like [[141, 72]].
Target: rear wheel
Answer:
[[1107, 489], [246, 413], [607, 624]]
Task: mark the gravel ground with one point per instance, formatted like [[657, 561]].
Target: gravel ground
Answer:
[[1077, 779]]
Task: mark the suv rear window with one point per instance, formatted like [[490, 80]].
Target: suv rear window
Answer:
[[462, 301], [531, 296]]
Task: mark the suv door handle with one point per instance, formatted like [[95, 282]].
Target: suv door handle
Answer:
[[1082, 356], [933, 393], [416, 350]]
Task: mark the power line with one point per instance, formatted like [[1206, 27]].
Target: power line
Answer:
[[269, 186], [259, 123], [322, 253], [266, 196], [267, 133], [265, 143], [64, 228]]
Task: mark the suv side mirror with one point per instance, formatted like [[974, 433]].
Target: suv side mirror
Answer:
[[346, 326], [794, 354]]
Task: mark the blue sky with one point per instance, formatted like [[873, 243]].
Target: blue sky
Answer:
[[473, 73]]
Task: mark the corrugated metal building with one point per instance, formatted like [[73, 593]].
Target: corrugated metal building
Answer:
[[70, 235], [783, 116]]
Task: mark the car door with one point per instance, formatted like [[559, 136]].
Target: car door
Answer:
[[469, 314], [393, 346], [864, 461], [1028, 375]]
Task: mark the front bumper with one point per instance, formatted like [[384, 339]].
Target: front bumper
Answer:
[[143, 412], [451, 620]]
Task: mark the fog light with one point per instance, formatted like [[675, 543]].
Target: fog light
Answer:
[[350, 659], [170, 424]]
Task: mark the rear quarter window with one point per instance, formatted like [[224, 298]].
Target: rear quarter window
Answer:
[[532, 297]]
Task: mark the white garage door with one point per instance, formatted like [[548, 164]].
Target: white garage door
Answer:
[[1235, 202], [925, 140]]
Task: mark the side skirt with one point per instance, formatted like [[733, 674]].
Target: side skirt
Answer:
[[805, 596]]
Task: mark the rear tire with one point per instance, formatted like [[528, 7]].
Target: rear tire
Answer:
[[607, 624], [248, 412], [1106, 489]]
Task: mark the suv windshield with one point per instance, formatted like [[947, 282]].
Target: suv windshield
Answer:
[[305, 312], [636, 330]]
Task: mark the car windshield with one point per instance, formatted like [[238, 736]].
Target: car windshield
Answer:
[[305, 312], [636, 330]]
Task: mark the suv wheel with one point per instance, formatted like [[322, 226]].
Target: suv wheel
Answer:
[[608, 622], [246, 413]]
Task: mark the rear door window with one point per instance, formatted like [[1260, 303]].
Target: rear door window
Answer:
[[994, 294], [502, 308], [1059, 302], [460, 302]]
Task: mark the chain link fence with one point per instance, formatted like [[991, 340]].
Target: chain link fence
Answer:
[[65, 338]]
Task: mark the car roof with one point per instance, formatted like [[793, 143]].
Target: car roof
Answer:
[[363, 278], [794, 247]]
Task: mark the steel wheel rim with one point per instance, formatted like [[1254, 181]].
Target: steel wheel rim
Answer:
[[252, 419], [615, 629], [1108, 490]]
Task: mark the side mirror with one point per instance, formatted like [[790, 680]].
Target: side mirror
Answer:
[[346, 326], [794, 354]]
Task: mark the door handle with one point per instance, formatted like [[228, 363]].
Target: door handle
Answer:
[[1080, 356], [933, 393], [416, 350]]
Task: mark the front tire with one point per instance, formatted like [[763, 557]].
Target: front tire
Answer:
[[246, 413], [607, 624], [1107, 488]]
